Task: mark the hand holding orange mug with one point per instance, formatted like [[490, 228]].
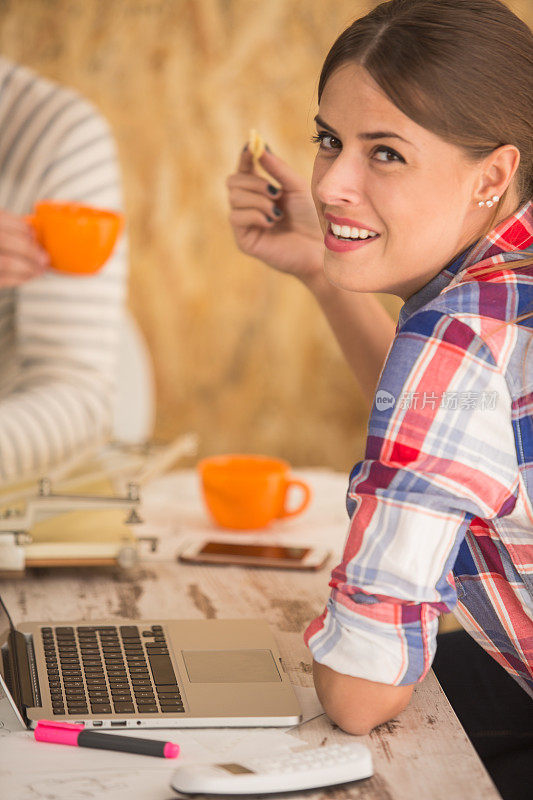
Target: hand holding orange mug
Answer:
[[249, 491], [79, 239]]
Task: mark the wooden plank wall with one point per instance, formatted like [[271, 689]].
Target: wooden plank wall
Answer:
[[240, 354]]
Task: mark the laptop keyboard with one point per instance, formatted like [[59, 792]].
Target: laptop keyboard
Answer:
[[103, 669]]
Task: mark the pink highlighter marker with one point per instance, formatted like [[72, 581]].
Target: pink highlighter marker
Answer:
[[76, 735]]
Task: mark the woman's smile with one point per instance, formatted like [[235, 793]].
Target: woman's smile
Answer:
[[344, 234]]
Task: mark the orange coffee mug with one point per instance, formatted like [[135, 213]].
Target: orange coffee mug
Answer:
[[79, 239], [249, 491]]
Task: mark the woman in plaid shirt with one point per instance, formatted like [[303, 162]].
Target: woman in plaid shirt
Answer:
[[422, 184]]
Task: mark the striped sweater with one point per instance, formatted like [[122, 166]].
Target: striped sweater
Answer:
[[58, 333]]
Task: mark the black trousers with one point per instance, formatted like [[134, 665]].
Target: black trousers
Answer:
[[494, 710]]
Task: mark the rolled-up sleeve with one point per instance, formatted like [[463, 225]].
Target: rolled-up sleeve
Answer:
[[440, 451]]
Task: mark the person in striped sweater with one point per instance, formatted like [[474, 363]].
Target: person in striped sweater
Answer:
[[58, 333]]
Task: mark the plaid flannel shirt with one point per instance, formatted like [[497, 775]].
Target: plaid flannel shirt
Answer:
[[442, 505]]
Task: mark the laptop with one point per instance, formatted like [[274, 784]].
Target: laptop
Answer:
[[151, 674]]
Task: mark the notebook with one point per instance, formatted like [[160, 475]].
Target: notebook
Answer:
[[153, 674]]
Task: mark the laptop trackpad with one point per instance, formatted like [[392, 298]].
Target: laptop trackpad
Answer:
[[230, 666]]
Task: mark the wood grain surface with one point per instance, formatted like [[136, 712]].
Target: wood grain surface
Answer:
[[424, 753]]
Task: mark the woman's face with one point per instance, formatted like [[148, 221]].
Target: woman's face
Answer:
[[377, 170]]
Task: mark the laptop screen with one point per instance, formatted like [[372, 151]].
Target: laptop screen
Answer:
[[10, 716], [5, 626]]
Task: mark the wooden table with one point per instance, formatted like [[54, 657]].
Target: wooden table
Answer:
[[423, 754]]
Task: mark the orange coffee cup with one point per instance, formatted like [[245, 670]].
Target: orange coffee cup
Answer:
[[249, 491], [79, 239]]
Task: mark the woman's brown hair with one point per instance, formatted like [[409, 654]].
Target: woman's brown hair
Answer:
[[462, 69]]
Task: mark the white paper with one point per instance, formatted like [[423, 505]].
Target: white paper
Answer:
[[31, 770]]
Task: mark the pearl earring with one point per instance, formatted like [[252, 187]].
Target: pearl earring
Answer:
[[489, 203]]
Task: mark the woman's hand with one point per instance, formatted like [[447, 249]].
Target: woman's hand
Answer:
[[293, 243], [277, 226], [21, 257]]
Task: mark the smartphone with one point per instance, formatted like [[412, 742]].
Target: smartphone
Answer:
[[254, 555]]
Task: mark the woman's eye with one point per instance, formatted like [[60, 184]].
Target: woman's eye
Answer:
[[386, 152], [326, 141]]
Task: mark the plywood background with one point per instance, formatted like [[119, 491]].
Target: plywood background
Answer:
[[241, 354]]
